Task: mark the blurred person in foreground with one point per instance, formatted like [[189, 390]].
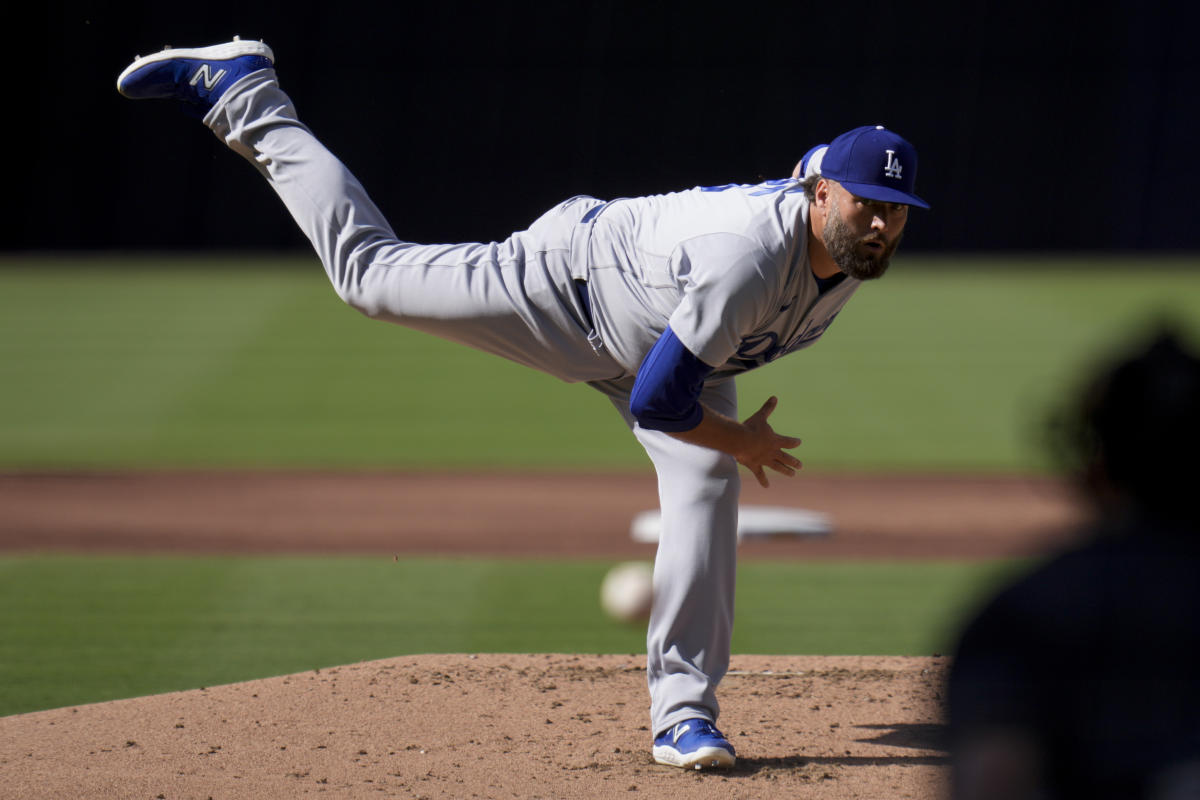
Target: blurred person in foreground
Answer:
[[1082, 680]]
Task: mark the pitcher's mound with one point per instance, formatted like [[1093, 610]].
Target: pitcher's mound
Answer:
[[492, 726]]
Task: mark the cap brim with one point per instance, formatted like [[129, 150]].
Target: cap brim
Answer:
[[883, 194]]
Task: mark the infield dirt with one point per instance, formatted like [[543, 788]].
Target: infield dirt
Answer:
[[499, 726]]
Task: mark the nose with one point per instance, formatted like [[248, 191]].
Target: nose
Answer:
[[884, 219]]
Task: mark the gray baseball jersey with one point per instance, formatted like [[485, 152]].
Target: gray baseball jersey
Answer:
[[726, 268]]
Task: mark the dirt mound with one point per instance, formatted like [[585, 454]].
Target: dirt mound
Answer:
[[492, 726]]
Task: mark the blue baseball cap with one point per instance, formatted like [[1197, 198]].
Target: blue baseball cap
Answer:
[[874, 163]]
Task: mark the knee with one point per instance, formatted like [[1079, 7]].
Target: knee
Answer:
[[352, 284], [711, 478], [690, 473], [723, 472], [354, 297], [355, 269], [360, 303]]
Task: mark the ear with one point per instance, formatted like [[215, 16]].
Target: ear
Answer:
[[821, 194]]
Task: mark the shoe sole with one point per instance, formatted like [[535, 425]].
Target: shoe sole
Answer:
[[216, 52], [703, 758]]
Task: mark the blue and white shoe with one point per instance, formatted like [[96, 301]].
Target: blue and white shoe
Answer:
[[196, 76], [694, 744]]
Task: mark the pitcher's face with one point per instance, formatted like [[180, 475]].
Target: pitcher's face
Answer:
[[862, 234]]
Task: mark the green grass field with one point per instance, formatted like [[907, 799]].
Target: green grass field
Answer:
[[167, 362], [158, 362], [85, 629]]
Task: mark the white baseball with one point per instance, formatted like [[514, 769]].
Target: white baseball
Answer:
[[628, 591]]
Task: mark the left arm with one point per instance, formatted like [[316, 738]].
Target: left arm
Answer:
[[666, 397], [754, 443]]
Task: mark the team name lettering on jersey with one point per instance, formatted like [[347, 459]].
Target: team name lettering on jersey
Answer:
[[758, 349], [762, 348], [810, 334]]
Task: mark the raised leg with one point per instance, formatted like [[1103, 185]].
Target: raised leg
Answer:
[[516, 298], [513, 298]]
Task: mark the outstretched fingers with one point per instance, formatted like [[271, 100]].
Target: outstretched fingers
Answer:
[[787, 442], [785, 463], [761, 475], [766, 409], [770, 452]]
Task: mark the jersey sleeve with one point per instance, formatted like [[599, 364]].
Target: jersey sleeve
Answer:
[[666, 393], [727, 291]]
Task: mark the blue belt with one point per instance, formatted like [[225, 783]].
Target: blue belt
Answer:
[[592, 212], [581, 289]]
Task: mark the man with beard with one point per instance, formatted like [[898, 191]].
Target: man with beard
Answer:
[[658, 302]]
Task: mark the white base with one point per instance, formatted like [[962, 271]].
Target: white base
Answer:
[[753, 521]]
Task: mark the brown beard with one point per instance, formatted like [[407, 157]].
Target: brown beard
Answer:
[[843, 247]]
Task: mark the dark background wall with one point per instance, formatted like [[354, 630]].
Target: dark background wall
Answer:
[[1041, 126]]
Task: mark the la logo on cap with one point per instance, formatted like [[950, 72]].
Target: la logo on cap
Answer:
[[892, 167]]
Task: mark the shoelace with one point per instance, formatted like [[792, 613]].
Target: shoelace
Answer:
[[703, 728]]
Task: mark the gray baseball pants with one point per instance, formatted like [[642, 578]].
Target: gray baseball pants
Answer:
[[518, 299]]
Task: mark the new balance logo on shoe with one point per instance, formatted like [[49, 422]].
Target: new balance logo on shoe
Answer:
[[680, 730], [205, 74]]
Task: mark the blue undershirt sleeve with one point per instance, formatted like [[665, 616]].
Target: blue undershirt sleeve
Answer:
[[666, 393]]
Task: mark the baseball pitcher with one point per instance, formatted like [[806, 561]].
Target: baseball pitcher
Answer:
[[658, 302]]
